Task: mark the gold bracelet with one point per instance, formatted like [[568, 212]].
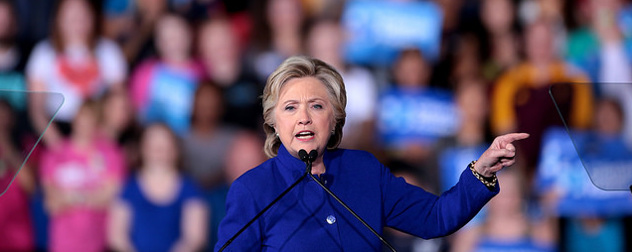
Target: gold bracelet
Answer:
[[488, 182]]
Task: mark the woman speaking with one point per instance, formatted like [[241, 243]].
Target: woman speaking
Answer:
[[304, 109]]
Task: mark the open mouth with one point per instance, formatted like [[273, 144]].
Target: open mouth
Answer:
[[305, 135]]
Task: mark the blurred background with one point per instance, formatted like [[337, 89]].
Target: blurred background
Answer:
[[162, 111]]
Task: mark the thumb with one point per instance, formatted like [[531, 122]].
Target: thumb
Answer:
[[510, 147]]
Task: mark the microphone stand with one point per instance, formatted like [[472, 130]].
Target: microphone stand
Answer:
[[308, 170], [309, 163]]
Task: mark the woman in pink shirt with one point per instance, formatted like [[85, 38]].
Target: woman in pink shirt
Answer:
[[80, 178]]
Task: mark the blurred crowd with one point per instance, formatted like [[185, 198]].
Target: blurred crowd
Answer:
[[161, 111]]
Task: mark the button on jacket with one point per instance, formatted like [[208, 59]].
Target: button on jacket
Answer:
[[308, 219]]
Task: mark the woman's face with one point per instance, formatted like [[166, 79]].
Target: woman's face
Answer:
[[158, 147], [539, 44], [325, 43], [173, 38], [284, 15], [75, 21], [217, 43], [411, 71], [497, 15], [304, 115]]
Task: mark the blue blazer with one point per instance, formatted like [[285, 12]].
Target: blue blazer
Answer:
[[308, 219]]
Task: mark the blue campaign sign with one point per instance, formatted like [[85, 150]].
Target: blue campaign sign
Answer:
[[379, 29], [561, 171], [415, 116]]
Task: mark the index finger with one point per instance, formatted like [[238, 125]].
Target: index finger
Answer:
[[511, 137]]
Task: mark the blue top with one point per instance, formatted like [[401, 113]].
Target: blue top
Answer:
[[171, 98], [156, 226], [308, 219]]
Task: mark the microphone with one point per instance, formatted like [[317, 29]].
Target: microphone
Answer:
[[308, 161]]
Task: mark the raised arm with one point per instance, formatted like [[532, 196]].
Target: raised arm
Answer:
[[415, 211]]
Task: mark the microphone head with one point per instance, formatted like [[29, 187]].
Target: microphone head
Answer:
[[312, 155], [302, 154]]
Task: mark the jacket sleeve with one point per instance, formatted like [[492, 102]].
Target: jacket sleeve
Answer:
[[240, 208], [415, 211]]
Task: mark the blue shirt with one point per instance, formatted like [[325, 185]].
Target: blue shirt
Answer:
[[156, 227], [308, 219], [171, 98]]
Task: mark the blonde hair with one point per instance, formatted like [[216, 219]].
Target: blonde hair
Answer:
[[299, 67]]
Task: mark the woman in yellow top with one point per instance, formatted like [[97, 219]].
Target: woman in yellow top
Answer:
[[521, 99]]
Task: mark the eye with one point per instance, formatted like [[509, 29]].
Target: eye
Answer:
[[317, 106], [289, 108]]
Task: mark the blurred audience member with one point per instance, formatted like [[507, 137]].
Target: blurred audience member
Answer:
[[221, 57], [12, 53], [119, 123], [278, 33], [597, 45], [158, 209], [600, 48], [162, 89], [13, 56], [324, 41], [132, 23], [533, 11], [507, 225], [17, 232], [244, 153], [598, 232], [592, 219], [521, 101], [76, 62], [470, 140], [411, 116], [498, 17], [204, 146], [80, 178], [467, 60]]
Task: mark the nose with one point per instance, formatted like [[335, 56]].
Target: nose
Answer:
[[304, 117]]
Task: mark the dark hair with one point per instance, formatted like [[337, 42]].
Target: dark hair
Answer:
[[56, 37]]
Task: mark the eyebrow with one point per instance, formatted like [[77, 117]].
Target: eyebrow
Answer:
[[308, 101]]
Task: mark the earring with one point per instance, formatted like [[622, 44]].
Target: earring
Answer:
[[277, 134], [333, 131]]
